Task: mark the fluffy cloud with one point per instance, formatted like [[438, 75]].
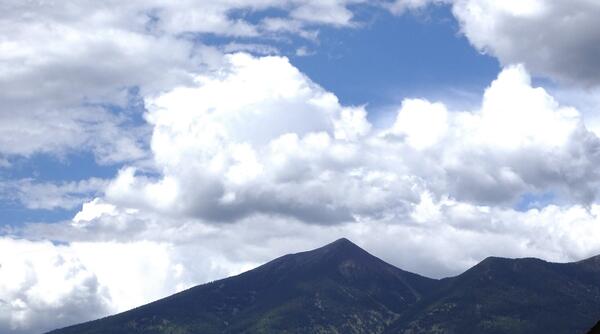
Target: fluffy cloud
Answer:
[[45, 286], [65, 73], [521, 140], [66, 70], [421, 123], [555, 39], [558, 39], [224, 169], [40, 284], [216, 166]]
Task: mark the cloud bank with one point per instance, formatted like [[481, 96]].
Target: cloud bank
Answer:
[[217, 166]]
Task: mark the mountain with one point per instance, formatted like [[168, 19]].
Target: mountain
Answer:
[[595, 329], [502, 295], [340, 288]]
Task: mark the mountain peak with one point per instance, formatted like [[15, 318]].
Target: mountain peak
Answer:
[[340, 250], [341, 243]]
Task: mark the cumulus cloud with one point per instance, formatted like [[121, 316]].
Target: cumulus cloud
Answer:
[[522, 140], [554, 39], [41, 284], [557, 39], [216, 166], [225, 169], [66, 70], [76, 63], [45, 285], [421, 123]]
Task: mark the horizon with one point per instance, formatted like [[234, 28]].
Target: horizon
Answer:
[[420, 274], [376, 256], [149, 147]]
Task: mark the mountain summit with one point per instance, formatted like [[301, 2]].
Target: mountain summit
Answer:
[[341, 288], [338, 287]]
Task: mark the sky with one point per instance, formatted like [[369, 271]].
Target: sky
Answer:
[[152, 146]]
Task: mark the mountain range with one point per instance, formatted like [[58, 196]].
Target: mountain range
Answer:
[[341, 288]]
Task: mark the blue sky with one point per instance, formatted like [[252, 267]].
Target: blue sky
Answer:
[[188, 141], [392, 58]]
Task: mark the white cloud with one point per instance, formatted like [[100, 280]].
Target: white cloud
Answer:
[[42, 284], [517, 115], [423, 123], [93, 210], [333, 12], [586, 101], [254, 48], [80, 63], [401, 6], [554, 39], [45, 286], [558, 39], [223, 168], [49, 195], [217, 167], [64, 68]]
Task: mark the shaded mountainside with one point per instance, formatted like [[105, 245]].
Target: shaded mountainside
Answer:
[[336, 288], [595, 329], [341, 288], [511, 296]]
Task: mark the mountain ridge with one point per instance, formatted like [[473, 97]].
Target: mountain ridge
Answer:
[[341, 288]]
